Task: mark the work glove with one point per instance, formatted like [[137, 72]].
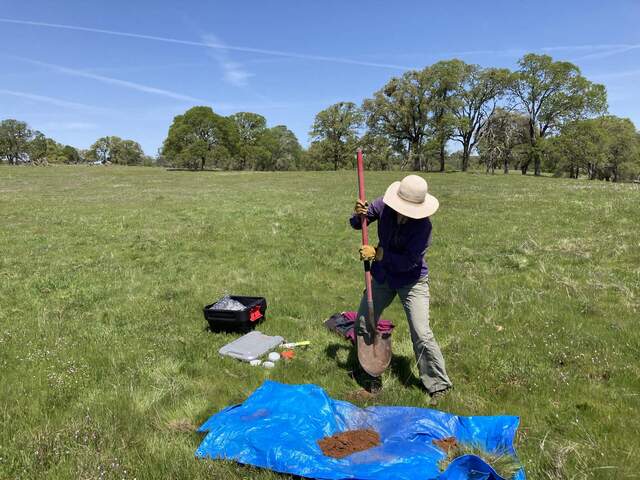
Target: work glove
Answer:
[[361, 207], [369, 253]]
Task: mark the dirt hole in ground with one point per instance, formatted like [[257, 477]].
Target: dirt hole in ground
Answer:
[[344, 444], [446, 444]]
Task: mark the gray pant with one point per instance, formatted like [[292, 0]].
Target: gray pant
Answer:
[[415, 300]]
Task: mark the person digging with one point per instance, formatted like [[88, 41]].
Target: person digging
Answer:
[[398, 268]]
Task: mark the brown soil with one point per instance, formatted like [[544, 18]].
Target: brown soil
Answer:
[[446, 444], [361, 395], [344, 444]]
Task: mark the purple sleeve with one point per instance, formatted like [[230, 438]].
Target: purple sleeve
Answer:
[[373, 214], [413, 255]]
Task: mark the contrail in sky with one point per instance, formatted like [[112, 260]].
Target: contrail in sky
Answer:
[[44, 99], [112, 81], [616, 75], [219, 46], [611, 49]]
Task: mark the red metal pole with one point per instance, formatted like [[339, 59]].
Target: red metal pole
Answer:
[[365, 241]]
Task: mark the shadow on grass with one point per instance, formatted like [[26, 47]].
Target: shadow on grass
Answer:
[[400, 368]]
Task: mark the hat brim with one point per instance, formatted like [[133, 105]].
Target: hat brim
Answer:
[[410, 209]]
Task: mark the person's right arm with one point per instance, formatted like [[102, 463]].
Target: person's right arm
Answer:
[[373, 211]]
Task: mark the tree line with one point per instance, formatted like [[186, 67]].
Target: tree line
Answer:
[[544, 116], [197, 139], [200, 137], [20, 144]]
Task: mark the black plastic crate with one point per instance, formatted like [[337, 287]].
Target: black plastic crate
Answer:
[[237, 320]]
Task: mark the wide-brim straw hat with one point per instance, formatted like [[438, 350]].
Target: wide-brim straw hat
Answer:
[[410, 197]]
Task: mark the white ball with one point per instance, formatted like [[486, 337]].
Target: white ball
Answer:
[[274, 356], [268, 364], [255, 363]]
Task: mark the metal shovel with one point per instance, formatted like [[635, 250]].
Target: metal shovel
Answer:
[[374, 348]]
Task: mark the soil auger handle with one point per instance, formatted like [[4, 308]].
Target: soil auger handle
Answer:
[[371, 323]]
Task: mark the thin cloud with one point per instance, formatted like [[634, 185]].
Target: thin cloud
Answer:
[[233, 72], [270, 105], [146, 68], [49, 100], [111, 81], [218, 46], [616, 75], [602, 46], [68, 126], [609, 53], [518, 51]]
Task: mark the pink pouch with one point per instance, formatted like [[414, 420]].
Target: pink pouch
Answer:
[[385, 326]]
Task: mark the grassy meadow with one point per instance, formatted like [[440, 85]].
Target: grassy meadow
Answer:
[[107, 369]]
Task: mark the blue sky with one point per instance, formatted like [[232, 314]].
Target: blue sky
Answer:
[[79, 70]]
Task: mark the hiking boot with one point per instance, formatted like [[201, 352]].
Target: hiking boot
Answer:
[[436, 397]]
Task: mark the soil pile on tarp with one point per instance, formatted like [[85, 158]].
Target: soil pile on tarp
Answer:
[[344, 444], [446, 444]]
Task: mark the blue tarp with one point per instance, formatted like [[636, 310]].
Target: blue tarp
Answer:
[[278, 426]]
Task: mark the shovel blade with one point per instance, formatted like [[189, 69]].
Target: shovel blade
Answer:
[[374, 354]]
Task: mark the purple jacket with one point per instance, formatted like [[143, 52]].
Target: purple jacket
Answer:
[[403, 245]]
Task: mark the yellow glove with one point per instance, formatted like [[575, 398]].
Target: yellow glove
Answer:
[[361, 208], [369, 253]]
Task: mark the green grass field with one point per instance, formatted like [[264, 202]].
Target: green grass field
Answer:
[[107, 368]]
